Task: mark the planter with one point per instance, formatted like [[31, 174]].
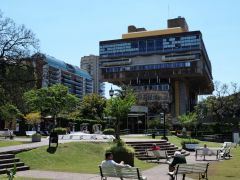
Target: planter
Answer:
[[191, 146], [36, 138], [127, 157]]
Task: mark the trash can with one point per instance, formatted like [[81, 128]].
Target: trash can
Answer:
[[153, 135]]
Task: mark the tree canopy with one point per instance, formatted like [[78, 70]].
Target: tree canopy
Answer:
[[119, 107], [51, 101], [17, 43], [92, 106], [9, 113]]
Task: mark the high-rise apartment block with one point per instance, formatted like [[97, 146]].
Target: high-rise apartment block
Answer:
[[50, 70], [91, 65]]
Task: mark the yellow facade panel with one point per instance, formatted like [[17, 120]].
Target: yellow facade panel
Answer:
[[152, 33]]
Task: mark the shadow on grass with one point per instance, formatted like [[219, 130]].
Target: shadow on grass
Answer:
[[51, 150]]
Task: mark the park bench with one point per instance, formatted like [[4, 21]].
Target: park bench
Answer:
[[159, 154], [121, 172], [7, 133], [197, 168], [210, 152], [30, 133]]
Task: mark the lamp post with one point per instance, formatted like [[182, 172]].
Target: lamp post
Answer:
[[111, 93], [162, 118], [164, 108]]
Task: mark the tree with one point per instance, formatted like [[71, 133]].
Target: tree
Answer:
[[92, 106], [222, 107], [33, 118], [9, 113], [189, 120], [119, 107], [17, 43], [53, 100]]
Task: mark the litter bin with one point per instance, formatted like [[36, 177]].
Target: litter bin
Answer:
[[153, 135]]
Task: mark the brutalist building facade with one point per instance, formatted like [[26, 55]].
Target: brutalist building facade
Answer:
[[167, 68]]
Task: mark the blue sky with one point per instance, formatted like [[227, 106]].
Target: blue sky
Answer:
[[70, 29]]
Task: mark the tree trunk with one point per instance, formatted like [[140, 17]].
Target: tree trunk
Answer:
[[55, 120], [117, 130]]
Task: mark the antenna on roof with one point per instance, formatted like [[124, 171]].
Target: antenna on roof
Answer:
[[168, 10]]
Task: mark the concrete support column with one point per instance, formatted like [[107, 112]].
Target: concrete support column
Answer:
[[176, 94], [183, 97]]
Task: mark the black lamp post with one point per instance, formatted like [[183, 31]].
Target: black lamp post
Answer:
[[164, 108]]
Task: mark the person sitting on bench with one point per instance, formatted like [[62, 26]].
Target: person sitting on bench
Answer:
[[177, 159], [109, 162], [155, 147]]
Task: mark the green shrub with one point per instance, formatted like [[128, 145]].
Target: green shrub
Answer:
[[109, 131], [60, 130], [189, 141], [36, 135], [120, 146]]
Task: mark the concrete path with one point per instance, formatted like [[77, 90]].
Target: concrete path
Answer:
[[157, 173]]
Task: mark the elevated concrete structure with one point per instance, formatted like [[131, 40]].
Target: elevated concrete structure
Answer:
[[167, 68]]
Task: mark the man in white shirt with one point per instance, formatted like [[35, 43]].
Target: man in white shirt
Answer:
[[109, 162]]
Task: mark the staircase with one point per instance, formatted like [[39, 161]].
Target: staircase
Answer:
[[141, 146], [7, 161]]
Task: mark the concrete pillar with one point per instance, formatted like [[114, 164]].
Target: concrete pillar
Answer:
[[177, 103], [183, 97]]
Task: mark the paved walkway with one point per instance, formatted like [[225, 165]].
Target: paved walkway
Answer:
[[157, 173]]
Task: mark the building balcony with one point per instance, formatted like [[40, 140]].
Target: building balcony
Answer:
[[157, 87], [68, 76], [154, 96]]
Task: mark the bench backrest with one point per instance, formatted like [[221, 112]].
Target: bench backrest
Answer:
[[208, 151], [157, 153], [160, 153], [30, 133], [191, 168], [4, 133], [122, 172]]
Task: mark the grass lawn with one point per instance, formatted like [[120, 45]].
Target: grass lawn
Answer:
[[4, 143], [227, 169], [71, 157], [176, 140]]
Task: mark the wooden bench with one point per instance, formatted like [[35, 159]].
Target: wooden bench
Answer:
[[121, 172], [210, 152], [159, 154], [197, 168], [7, 133]]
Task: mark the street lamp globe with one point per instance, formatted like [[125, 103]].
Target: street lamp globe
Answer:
[[111, 92]]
